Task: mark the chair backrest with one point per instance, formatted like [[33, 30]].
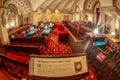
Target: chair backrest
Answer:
[[28, 40], [15, 68], [99, 39], [23, 49]]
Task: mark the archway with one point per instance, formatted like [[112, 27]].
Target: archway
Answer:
[[77, 15], [11, 16]]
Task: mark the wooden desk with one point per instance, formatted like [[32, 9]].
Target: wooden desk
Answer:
[[98, 40], [90, 34], [46, 32], [113, 40]]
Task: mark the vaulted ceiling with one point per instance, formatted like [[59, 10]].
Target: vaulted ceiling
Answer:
[[116, 3], [25, 6]]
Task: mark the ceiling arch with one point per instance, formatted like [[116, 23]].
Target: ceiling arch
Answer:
[[36, 3], [105, 3], [55, 3], [12, 8], [109, 5], [116, 3], [61, 5], [23, 6], [96, 7], [89, 5], [46, 4], [76, 8], [69, 6], [81, 4]]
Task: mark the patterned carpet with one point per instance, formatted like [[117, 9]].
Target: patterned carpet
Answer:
[[54, 47]]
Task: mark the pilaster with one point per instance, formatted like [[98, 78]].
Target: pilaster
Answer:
[[3, 30]]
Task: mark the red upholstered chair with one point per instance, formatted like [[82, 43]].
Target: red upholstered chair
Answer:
[[62, 34], [19, 35], [91, 75], [60, 28], [13, 43], [42, 50], [17, 57], [24, 33]]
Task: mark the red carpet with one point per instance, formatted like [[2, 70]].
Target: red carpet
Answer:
[[54, 47]]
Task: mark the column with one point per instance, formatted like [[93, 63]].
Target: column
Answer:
[[35, 18], [16, 21], [113, 23], [70, 17], [101, 20], [62, 17], [102, 17], [40, 17], [81, 15], [94, 17], [3, 30]]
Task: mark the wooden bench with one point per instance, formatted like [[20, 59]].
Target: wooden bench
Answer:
[[34, 41], [15, 30], [83, 29], [77, 29], [73, 28], [62, 33], [15, 59], [26, 50], [15, 68]]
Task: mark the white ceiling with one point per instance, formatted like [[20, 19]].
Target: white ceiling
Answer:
[[25, 6], [106, 2]]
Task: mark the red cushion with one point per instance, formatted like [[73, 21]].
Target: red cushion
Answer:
[[32, 44], [21, 54], [62, 32], [17, 57], [19, 35], [8, 51], [62, 36], [61, 28]]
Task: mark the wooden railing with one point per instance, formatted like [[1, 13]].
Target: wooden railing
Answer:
[[15, 60], [28, 41], [14, 67], [83, 29], [105, 60], [26, 50], [15, 30], [77, 29]]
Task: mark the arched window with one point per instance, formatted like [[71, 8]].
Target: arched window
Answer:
[[77, 13], [11, 16], [77, 9]]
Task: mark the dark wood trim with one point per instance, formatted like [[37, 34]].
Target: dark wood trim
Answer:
[[77, 77]]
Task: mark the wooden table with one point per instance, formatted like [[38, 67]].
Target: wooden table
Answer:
[[113, 40]]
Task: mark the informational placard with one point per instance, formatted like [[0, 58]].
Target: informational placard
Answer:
[[57, 66]]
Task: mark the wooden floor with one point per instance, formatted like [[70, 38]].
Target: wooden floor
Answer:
[[3, 76]]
